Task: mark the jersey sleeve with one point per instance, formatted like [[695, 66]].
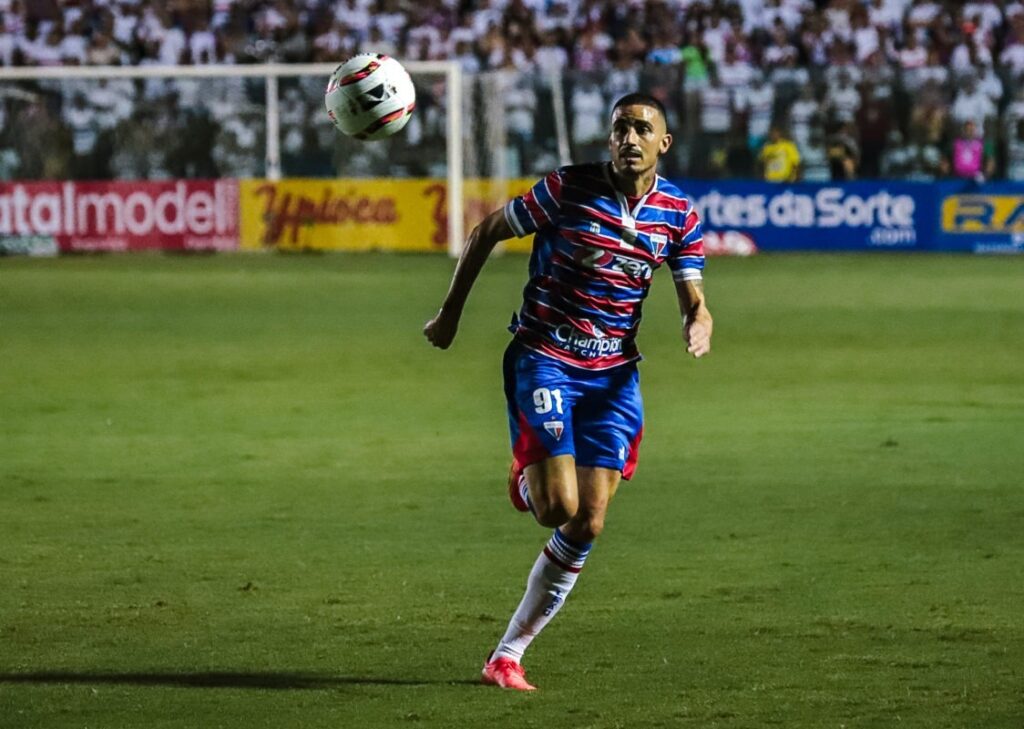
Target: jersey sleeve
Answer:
[[686, 256], [539, 208]]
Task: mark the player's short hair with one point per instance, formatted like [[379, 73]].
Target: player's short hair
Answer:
[[639, 98]]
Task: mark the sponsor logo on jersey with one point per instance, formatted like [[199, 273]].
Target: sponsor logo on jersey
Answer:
[[585, 345], [600, 258], [555, 428]]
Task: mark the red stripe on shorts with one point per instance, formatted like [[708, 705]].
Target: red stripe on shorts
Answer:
[[528, 448], [633, 456]]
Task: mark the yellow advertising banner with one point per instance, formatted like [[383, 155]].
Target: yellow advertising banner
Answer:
[[363, 214]]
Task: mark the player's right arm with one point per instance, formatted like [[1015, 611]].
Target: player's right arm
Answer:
[[440, 330]]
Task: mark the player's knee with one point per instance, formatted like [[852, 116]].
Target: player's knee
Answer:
[[554, 506], [553, 514], [554, 497]]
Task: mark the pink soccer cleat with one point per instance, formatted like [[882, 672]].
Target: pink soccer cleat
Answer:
[[515, 486], [506, 673]]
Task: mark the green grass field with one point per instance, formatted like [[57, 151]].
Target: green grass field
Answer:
[[242, 491]]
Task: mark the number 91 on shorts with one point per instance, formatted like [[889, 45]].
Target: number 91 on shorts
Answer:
[[557, 409]]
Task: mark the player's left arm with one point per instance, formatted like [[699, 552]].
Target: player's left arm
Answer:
[[697, 320], [687, 264]]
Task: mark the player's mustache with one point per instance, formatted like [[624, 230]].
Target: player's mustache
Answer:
[[623, 151]]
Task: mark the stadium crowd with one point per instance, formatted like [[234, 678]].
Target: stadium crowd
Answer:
[[823, 90]]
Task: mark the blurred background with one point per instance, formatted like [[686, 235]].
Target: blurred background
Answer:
[[866, 89], [243, 491]]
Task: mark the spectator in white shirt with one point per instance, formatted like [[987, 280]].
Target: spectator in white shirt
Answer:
[[589, 108], [202, 45], [973, 104], [716, 108], [390, 20], [48, 51], [8, 48], [864, 36], [735, 74], [466, 56], [424, 43], [75, 47], [623, 77], [780, 50], [969, 53], [375, 42], [329, 42], [1014, 111], [788, 79], [882, 14], [559, 16], [989, 82], [716, 35], [816, 40], [843, 100], [804, 114], [837, 15], [913, 55], [172, 43], [923, 12], [934, 71], [1012, 57], [354, 14], [841, 64], [759, 103], [785, 13], [716, 116], [551, 56], [985, 13]]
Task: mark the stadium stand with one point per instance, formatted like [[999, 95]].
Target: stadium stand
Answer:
[[879, 88]]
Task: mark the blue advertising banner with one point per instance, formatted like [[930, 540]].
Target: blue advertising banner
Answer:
[[980, 218], [963, 216], [854, 216]]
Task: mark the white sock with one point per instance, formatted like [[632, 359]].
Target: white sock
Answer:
[[524, 491], [551, 579]]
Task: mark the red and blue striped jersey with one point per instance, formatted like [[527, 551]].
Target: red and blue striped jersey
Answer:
[[594, 254]]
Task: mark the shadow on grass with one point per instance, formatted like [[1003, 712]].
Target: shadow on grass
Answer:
[[272, 680]]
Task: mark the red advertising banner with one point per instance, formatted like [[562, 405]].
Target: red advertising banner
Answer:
[[43, 218]]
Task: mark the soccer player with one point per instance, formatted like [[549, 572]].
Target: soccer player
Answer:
[[574, 407]]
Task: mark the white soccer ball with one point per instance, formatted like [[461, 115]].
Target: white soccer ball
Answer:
[[370, 96]]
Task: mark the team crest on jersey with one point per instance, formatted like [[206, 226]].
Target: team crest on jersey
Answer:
[[660, 243], [555, 428]]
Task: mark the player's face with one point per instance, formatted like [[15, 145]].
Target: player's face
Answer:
[[638, 138]]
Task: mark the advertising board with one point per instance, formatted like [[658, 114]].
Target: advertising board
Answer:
[[42, 218]]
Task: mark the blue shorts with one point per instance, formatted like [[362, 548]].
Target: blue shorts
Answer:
[[556, 409]]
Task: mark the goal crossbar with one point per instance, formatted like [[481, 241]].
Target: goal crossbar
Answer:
[[271, 72]]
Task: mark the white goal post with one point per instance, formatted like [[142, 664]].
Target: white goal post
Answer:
[[271, 73]]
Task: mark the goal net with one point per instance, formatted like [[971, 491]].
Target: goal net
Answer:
[[91, 124]]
